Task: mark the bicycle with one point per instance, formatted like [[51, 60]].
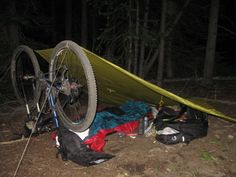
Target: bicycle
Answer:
[[68, 90]]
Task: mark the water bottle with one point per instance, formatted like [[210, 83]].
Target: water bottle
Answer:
[[141, 126], [145, 124]]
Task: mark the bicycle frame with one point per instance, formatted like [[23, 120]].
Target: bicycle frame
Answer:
[[51, 102]]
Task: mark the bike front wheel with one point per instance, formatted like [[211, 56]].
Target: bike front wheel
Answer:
[[74, 86]]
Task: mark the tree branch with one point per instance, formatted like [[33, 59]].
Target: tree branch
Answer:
[[228, 30], [168, 31]]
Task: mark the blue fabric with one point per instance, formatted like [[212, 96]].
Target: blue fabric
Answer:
[[133, 110]]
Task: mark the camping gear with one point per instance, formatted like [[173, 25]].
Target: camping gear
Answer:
[[182, 126], [106, 122], [116, 86]]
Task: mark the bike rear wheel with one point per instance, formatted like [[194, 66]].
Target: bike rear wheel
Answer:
[[74, 86], [25, 72]]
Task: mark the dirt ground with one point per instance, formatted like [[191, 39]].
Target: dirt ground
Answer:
[[211, 156]]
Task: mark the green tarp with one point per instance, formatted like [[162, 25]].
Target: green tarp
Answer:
[[116, 85]]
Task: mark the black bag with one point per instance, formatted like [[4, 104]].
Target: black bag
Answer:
[[183, 126], [71, 147]]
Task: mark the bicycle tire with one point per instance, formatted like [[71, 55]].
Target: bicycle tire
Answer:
[[24, 62], [80, 57]]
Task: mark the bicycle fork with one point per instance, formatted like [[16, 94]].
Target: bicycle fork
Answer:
[[51, 101]]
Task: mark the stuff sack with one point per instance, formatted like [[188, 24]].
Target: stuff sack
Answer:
[[71, 147], [182, 126]]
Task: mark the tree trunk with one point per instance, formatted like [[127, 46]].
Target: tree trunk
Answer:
[[172, 10], [162, 44], [136, 42], [68, 20], [142, 48], [84, 24], [149, 64], [211, 43], [13, 26], [54, 29], [169, 69], [167, 33], [94, 35], [130, 52], [13, 34], [109, 22]]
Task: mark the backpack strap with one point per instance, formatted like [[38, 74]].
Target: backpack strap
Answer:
[[61, 147]]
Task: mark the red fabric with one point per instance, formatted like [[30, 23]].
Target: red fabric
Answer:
[[53, 135], [97, 141], [150, 115]]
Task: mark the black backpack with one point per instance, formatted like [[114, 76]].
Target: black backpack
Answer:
[[71, 147], [182, 126]]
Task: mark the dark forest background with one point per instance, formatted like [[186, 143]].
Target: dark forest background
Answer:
[[154, 39]]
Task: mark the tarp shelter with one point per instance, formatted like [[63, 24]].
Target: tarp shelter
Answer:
[[116, 85]]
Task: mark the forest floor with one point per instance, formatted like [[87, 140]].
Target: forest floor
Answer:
[[211, 156]]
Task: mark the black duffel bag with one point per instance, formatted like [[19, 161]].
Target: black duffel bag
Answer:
[[183, 126]]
